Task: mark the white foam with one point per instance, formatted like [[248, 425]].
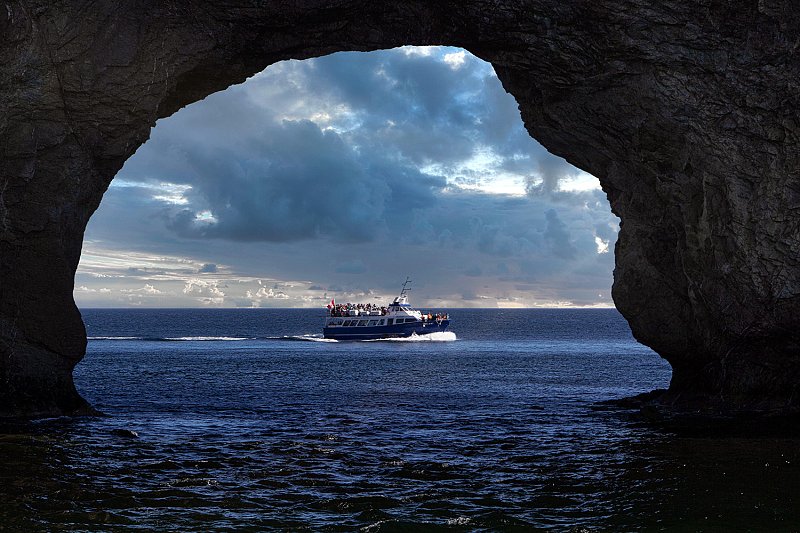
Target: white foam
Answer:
[[311, 338], [439, 336], [113, 338], [207, 338]]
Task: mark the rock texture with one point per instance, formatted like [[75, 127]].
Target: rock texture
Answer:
[[686, 111]]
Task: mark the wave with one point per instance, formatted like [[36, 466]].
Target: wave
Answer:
[[313, 338], [208, 338], [115, 338], [307, 338], [170, 339], [439, 336]]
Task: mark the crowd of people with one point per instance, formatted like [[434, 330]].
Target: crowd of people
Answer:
[[372, 309], [363, 309]]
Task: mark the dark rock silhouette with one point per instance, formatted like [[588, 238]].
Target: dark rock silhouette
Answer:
[[687, 112]]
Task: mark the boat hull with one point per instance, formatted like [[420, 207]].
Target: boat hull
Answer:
[[361, 333]]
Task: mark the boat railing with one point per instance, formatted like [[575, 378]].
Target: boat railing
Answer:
[[351, 310]]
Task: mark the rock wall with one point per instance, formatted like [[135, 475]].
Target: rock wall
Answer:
[[686, 112]]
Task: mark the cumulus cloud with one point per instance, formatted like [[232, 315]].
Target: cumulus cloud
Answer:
[[206, 292], [267, 294], [455, 59], [147, 290], [101, 290]]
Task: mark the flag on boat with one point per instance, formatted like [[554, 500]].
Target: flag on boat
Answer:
[[332, 304]]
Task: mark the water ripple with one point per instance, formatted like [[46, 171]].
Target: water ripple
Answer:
[[474, 435]]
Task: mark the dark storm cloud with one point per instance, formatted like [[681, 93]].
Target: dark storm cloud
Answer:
[[257, 176], [300, 183], [440, 114], [558, 236], [287, 180], [355, 266]]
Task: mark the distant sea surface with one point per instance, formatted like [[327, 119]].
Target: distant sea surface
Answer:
[[246, 420]]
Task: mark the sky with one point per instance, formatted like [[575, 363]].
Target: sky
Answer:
[[337, 177]]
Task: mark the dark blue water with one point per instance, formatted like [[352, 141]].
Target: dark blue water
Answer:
[[271, 429]]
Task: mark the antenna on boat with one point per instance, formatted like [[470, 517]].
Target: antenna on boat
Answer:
[[405, 289]]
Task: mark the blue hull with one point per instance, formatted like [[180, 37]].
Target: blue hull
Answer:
[[362, 333]]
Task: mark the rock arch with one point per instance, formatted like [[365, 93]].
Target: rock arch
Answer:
[[686, 112]]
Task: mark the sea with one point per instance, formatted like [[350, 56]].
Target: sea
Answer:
[[247, 420]]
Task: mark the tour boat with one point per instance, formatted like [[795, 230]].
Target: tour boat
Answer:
[[353, 322]]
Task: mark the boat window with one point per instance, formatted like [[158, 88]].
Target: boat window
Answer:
[[362, 322], [391, 321], [383, 321], [373, 322], [346, 323]]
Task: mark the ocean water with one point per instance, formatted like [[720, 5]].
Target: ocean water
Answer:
[[246, 420]]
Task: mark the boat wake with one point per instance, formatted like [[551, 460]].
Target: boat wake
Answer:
[[306, 338], [439, 336], [208, 338], [114, 338], [171, 339]]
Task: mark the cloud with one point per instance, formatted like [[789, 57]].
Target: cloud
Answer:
[[267, 294], [206, 292], [355, 266], [274, 195], [147, 290], [101, 290], [552, 171], [339, 164], [558, 236], [455, 59], [473, 271], [352, 170], [602, 246]]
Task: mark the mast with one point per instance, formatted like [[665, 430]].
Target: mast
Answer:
[[405, 289]]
